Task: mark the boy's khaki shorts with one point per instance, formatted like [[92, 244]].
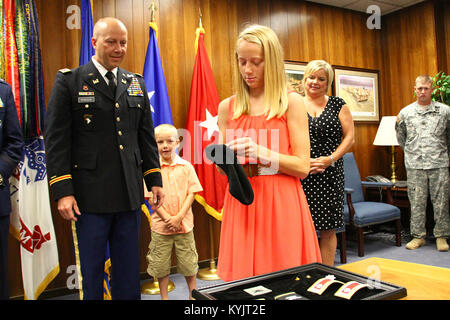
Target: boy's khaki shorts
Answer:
[[159, 256]]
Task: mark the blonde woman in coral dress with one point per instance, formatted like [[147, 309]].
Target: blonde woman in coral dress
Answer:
[[268, 129]]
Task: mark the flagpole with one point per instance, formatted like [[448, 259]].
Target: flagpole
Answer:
[[211, 272], [152, 287]]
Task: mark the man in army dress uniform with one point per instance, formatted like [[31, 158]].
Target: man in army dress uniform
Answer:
[[100, 147], [423, 131], [11, 148]]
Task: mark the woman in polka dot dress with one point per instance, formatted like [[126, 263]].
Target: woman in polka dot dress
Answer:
[[331, 134]]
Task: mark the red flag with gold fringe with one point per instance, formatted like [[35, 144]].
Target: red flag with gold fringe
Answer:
[[203, 130]]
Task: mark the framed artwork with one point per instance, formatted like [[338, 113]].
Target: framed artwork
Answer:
[[360, 90], [294, 73]]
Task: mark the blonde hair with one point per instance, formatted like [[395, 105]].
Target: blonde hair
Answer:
[[424, 79], [166, 128], [275, 84], [316, 65]]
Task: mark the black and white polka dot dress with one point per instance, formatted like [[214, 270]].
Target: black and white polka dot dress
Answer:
[[325, 191]]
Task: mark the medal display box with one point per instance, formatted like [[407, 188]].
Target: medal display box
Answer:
[[313, 281]]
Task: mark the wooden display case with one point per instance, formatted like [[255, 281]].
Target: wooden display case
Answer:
[[293, 284]]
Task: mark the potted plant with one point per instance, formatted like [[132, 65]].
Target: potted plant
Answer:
[[441, 91]]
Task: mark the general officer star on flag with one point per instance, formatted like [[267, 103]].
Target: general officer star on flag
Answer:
[[210, 124]]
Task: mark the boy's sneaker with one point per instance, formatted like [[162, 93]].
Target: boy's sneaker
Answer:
[[415, 243]]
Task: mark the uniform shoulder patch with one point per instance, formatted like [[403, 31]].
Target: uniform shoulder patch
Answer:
[[65, 70]]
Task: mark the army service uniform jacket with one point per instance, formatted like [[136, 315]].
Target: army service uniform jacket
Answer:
[[11, 144], [100, 147]]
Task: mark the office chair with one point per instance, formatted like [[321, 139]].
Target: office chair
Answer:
[[359, 213]]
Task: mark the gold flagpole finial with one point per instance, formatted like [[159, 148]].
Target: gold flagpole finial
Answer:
[[153, 9], [198, 30]]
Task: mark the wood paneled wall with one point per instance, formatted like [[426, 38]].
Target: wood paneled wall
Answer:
[[411, 44], [446, 39], [404, 47], [442, 25]]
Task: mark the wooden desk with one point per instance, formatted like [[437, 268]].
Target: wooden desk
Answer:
[[399, 195], [422, 282]]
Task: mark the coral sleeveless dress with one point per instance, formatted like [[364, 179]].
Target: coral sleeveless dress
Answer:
[[276, 231]]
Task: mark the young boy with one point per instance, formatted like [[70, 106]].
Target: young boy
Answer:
[[173, 222]]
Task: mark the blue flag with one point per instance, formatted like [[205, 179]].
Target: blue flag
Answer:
[[156, 82], [87, 29]]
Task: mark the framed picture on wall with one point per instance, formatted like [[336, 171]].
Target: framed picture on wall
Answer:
[[360, 90], [295, 71]]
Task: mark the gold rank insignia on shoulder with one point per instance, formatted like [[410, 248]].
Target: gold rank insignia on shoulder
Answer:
[[65, 70], [139, 75]]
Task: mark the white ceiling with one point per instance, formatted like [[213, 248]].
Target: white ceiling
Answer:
[[386, 6]]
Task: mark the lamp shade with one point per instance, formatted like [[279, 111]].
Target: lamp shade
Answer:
[[386, 135]]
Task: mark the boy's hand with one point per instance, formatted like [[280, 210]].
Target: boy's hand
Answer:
[[174, 223]]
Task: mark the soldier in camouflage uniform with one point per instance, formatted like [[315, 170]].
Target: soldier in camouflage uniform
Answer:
[[423, 131]]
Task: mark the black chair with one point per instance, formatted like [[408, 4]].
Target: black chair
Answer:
[[359, 213]]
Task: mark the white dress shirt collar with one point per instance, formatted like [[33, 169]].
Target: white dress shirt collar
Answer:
[[103, 70]]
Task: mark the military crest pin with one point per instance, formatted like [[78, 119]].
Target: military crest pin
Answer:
[[87, 118]]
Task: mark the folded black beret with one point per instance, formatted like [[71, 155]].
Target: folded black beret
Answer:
[[239, 186]]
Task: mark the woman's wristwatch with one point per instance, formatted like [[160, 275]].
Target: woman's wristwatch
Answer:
[[332, 160]]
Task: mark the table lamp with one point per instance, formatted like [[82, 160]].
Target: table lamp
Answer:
[[386, 136]]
